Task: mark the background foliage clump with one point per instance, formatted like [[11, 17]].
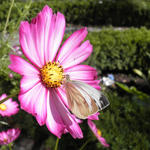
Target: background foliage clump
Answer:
[[86, 12], [120, 51]]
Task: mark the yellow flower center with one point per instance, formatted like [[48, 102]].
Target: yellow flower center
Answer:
[[5, 140], [99, 132], [3, 107], [52, 74]]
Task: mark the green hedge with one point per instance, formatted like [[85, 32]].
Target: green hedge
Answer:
[[113, 50], [88, 12], [121, 51]]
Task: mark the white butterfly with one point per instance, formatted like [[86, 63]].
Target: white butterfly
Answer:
[[83, 99]]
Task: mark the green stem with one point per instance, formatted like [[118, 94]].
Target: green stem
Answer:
[[56, 145], [83, 146], [10, 146], [10, 96], [9, 46], [24, 14], [8, 16]]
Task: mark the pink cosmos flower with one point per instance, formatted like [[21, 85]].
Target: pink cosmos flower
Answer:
[[9, 136], [11, 75], [16, 50], [42, 93], [97, 133], [9, 107]]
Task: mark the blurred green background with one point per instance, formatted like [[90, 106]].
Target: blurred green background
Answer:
[[120, 35]]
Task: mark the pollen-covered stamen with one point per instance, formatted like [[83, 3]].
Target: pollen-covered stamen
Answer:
[[99, 132], [3, 107], [5, 140], [52, 74]]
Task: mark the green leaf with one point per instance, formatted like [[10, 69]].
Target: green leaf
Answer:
[[139, 73], [132, 90]]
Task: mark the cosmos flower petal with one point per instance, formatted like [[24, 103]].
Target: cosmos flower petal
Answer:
[[56, 34], [71, 44], [27, 42], [41, 39], [34, 102], [82, 72], [13, 133], [73, 128], [62, 119], [94, 83], [40, 109], [92, 126], [31, 100], [54, 121], [11, 107], [9, 136], [40, 26], [103, 141], [62, 92], [78, 55], [47, 32], [3, 96], [21, 66], [94, 116], [95, 131], [28, 82]]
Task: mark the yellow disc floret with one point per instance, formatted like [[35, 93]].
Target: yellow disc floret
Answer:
[[3, 107], [5, 140], [99, 132], [52, 74]]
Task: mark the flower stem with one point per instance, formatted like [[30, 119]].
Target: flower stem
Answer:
[[10, 96], [8, 16], [56, 145], [83, 146], [10, 146], [24, 13]]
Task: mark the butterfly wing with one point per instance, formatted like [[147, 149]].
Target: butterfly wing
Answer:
[[99, 98], [80, 102], [103, 101]]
